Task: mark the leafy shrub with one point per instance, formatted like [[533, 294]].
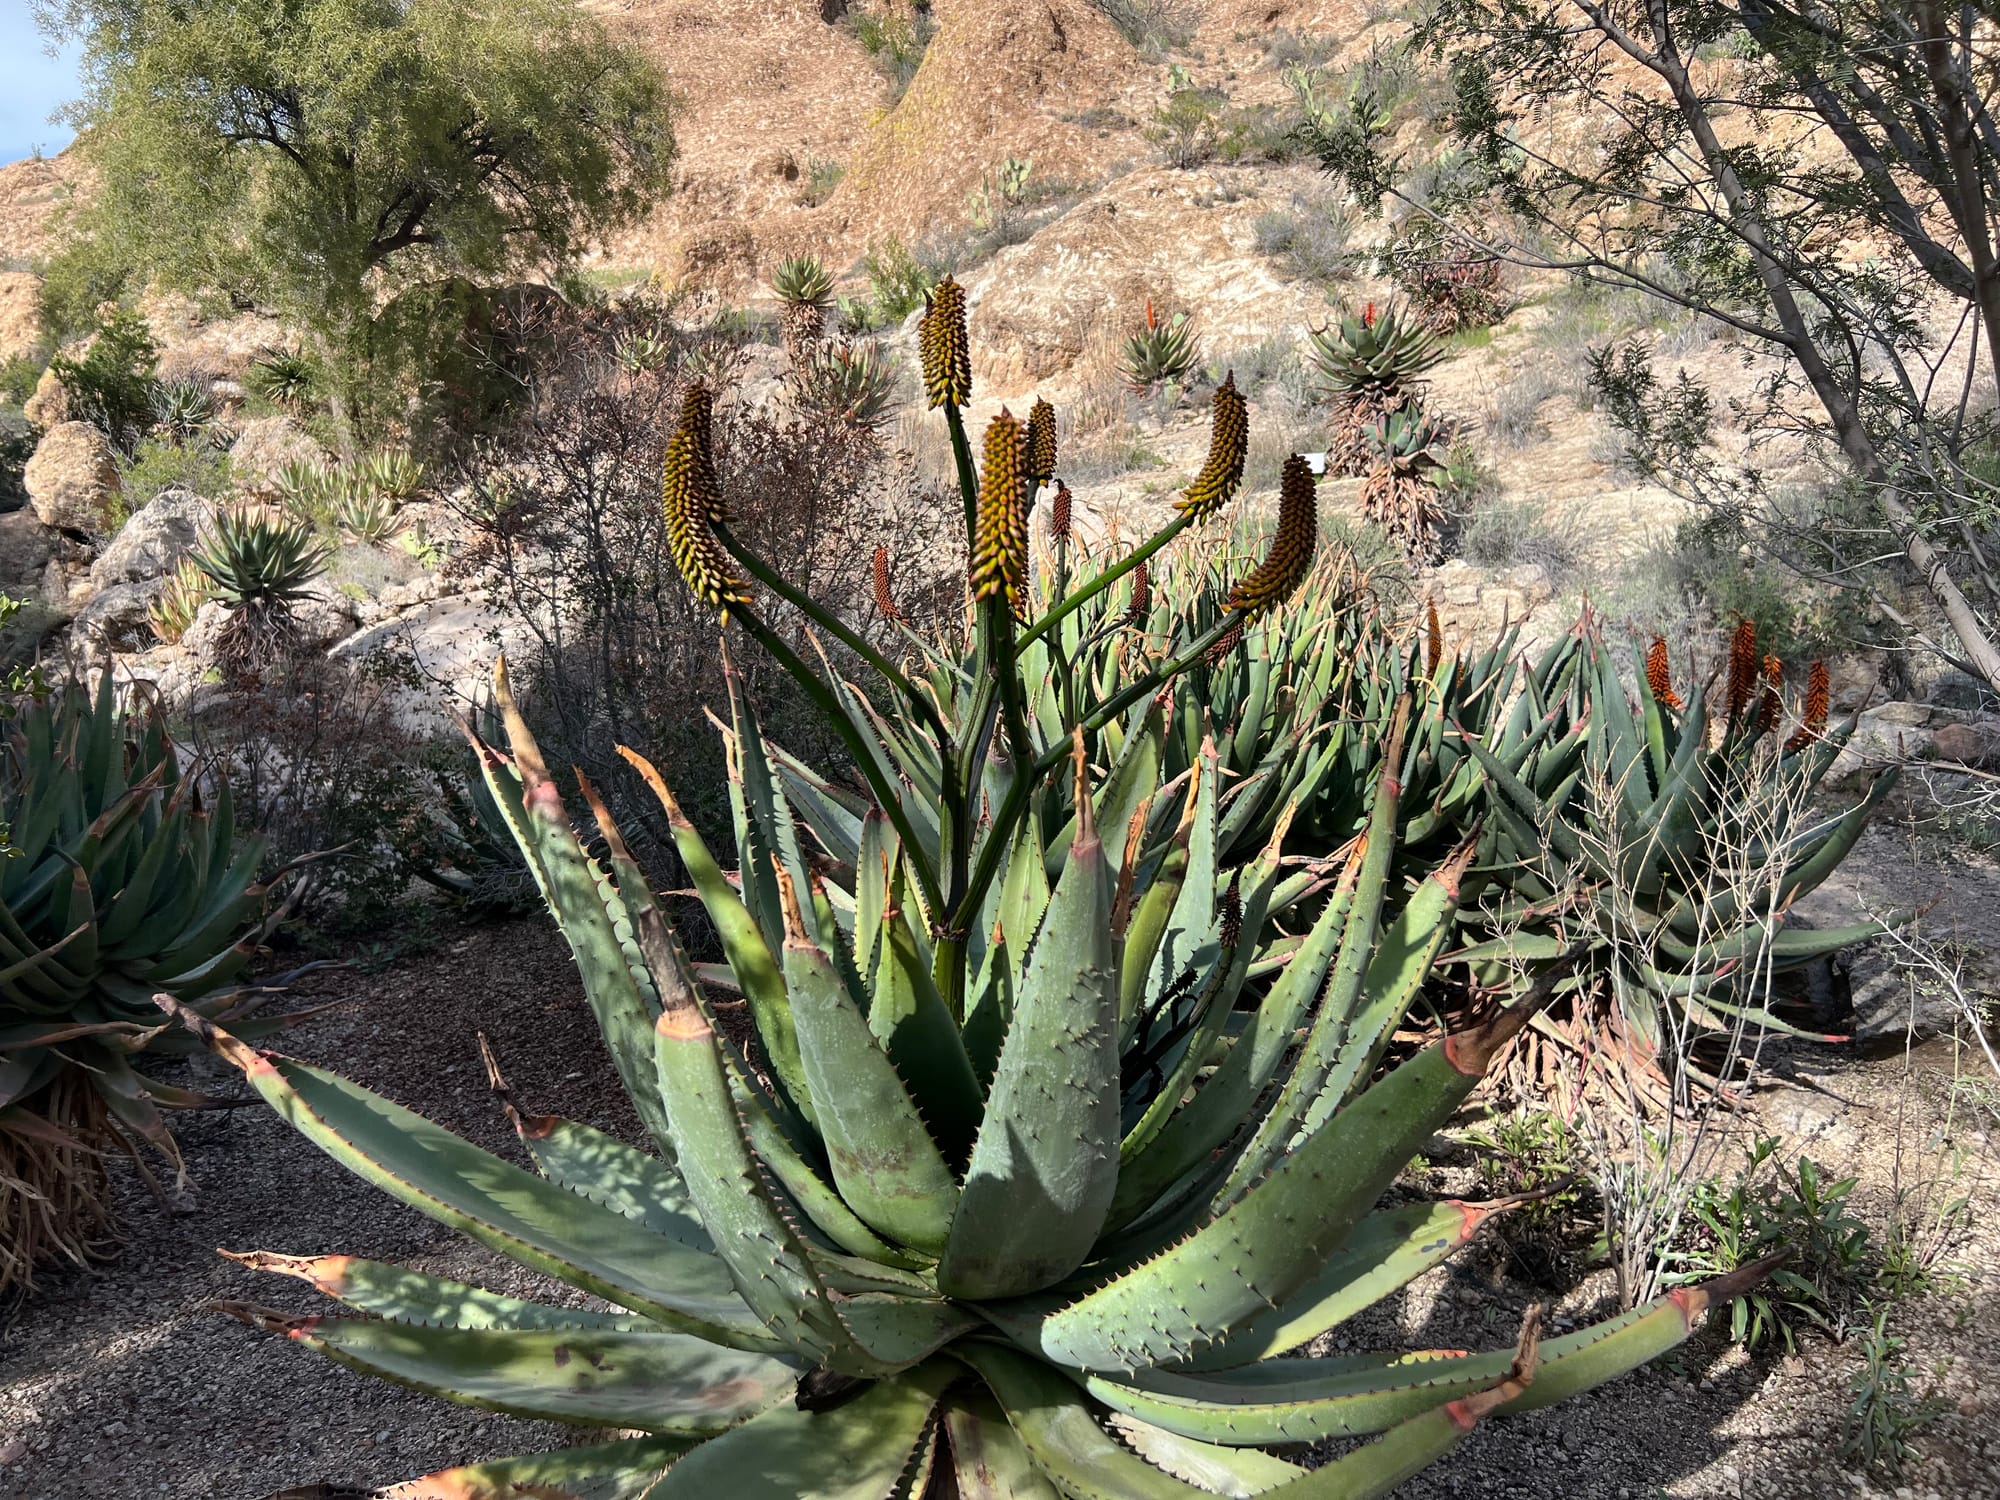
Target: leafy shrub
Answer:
[[1312, 239], [1153, 26], [111, 384], [158, 464], [1498, 534], [1187, 125], [897, 282], [19, 374], [1884, 1412], [894, 43], [1533, 1154]]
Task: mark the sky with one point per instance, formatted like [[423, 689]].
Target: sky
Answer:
[[31, 85]]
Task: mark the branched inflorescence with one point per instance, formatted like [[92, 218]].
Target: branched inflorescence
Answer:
[[944, 346], [691, 496], [1228, 444], [1274, 580]]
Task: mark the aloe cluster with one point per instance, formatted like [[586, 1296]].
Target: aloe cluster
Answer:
[[1370, 363], [259, 565], [1406, 450], [120, 885], [1035, 1156], [805, 291], [1164, 350]]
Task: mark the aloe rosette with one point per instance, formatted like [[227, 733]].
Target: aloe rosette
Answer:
[[1023, 1176]]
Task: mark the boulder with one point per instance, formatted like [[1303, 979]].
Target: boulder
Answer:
[[152, 543], [117, 618], [1971, 744], [263, 448], [49, 404], [20, 318], [325, 616], [72, 479], [25, 550]]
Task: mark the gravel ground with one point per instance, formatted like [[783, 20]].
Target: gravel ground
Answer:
[[123, 1383]]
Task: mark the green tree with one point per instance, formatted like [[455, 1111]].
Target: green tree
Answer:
[[346, 163], [1824, 179]]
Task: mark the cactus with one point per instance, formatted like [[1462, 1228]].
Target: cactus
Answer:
[[1164, 351], [1371, 363], [1406, 449], [805, 292], [1015, 1174], [120, 886]]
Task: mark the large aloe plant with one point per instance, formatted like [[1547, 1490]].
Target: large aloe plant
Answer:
[[1017, 1185], [119, 886]]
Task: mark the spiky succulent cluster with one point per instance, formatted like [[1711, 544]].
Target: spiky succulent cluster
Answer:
[[805, 292], [285, 378], [258, 561], [1406, 449], [691, 497], [362, 512], [945, 347], [182, 594], [1036, 1145], [1370, 364], [854, 384], [120, 885], [1228, 446], [1163, 351], [183, 410]]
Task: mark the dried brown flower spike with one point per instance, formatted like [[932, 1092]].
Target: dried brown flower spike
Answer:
[[885, 595], [1059, 514], [1141, 607], [1433, 636]]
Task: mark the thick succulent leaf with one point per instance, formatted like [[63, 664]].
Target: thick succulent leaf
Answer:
[[772, 843], [407, 1296], [1046, 1162], [649, 1381], [498, 1204], [1236, 1472], [855, 1451], [923, 1041], [988, 1458], [1386, 1251], [606, 1170], [887, 1167], [1270, 1242], [626, 1470]]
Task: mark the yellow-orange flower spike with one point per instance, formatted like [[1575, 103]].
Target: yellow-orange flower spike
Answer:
[[1660, 677], [885, 595], [1285, 566], [1041, 441], [1059, 514], [1770, 706], [1228, 443], [1819, 700], [692, 501], [1000, 534], [945, 349], [1742, 667]]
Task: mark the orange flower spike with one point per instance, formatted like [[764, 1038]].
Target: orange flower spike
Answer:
[[1771, 707], [1819, 701], [1659, 676], [1743, 666]]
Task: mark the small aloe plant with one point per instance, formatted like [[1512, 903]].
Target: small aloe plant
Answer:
[[1163, 351], [1018, 1184]]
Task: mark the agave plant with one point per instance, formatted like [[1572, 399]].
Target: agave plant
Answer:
[[395, 474], [181, 597], [1371, 364], [183, 410], [1163, 350], [850, 383], [805, 292], [1406, 451], [306, 488], [259, 566], [1015, 1184], [363, 511], [467, 850], [120, 885], [285, 379]]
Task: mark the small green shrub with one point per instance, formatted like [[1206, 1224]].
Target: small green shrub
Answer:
[[1187, 125], [822, 177], [897, 283], [895, 44], [1884, 1413], [158, 464], [76, 282], [1154, 26], [1533, 1154], [1497, 534], [111, 384], [19, 374], [1312, 239]]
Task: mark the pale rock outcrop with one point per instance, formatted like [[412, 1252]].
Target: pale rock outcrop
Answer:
[[20, 322], [48, 404], [117, 618], [72, 479], [25, 550], [152, 543], [263, 448]]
